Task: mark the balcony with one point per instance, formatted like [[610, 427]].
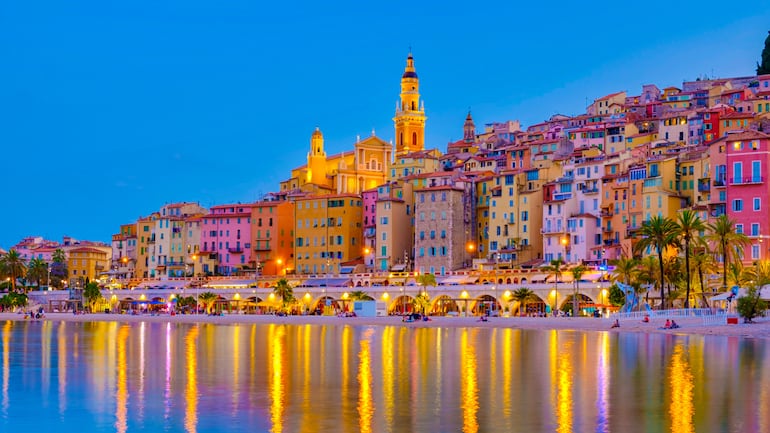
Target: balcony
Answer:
[[236, 250], [719, 182], [151, 240], [606, 213], [262, 247], [704, 185], [611, 242], [748, 180], [560, 196], [173, 264], [549, 231], [591, 190], [607, 229]]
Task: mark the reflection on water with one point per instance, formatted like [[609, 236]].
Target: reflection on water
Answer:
[[123, 377], [681, 409]]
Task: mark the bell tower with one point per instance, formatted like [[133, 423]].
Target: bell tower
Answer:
[[316, 159], [410, 113]]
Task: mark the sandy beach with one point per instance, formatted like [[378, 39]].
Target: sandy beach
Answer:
[[760, 329]]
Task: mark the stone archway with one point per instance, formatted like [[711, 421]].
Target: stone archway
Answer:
[[444, 305], [403, 304], [586, 305], [485, 305]]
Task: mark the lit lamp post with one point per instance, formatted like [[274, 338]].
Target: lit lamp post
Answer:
[[280, 269], [367, 251], [604, 299], [470, 247]]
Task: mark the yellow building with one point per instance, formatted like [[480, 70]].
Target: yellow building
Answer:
[[424, 161], [345, 173], [410, 113], [145, 245], [87, 262], [660, 191], [329, 232]]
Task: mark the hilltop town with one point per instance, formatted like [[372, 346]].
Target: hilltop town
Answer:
[[503, 197]]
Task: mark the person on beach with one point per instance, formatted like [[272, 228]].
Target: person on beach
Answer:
[[616, 324], [673, 324], [667, 325], [646, 319]]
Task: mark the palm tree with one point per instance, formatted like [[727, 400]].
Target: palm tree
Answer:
[[37, 269], [577, 274], [703, 262], [689, 227], [360, 295], [14, 267], [555, 269], [284, 290], [58, 268], [523, 296], [208, 299], [728, 243], [657, 233], [626, 270]]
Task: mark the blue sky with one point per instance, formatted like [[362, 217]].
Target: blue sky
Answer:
[[110, 109]]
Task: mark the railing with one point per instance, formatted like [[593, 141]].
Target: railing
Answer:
[[747, 180], [719, 182], [716, 319], [667, 314], [235, 250]]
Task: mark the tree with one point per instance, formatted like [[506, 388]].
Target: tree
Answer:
[[284, 290], [626, 270], [764, 67], [208, 299], [689, 227], [703, 263], [577, 274], [752, 305], [13, 267], [37, 270], [59, 270], [523, 296], [728, 243], [555, 269], [13, 300], [92, 295], [422, 301], [359, 295], [657, 233], [617, 297]]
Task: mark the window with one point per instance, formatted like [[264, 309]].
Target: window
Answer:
[[737, 205], [755, 252], [754, 229], [757, 203], [739, 228]]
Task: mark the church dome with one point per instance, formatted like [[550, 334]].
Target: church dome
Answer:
[[409, 74]]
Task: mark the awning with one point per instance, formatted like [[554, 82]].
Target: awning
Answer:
[[453, 280], [535, 278], [398, 268], [328, 282]]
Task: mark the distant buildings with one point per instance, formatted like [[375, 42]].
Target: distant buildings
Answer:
[[571, 187]]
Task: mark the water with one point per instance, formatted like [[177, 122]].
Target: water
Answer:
[[127, 377]]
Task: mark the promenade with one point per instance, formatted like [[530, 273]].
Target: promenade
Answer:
[[689, 326]]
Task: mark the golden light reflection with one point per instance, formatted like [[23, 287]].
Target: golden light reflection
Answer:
[[62, 366], [681, 407], [276, 334], [365, 399], [603, 384], [385, 296], [191, 391], [121, 387], [347, 339], [469, 384], [561, 374], [6, 363], [508, 351], [388, 377]]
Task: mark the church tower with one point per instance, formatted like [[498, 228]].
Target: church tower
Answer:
[[316, 159], [410, 113], [469, 129]]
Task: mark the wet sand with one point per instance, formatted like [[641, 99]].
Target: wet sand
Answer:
[[760, 329]]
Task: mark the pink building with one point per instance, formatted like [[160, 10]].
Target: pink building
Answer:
[[370, 226], [747, 156], [226, 232]]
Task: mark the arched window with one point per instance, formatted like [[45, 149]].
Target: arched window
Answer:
[[413, 106], [401, 139], [414, 138]]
